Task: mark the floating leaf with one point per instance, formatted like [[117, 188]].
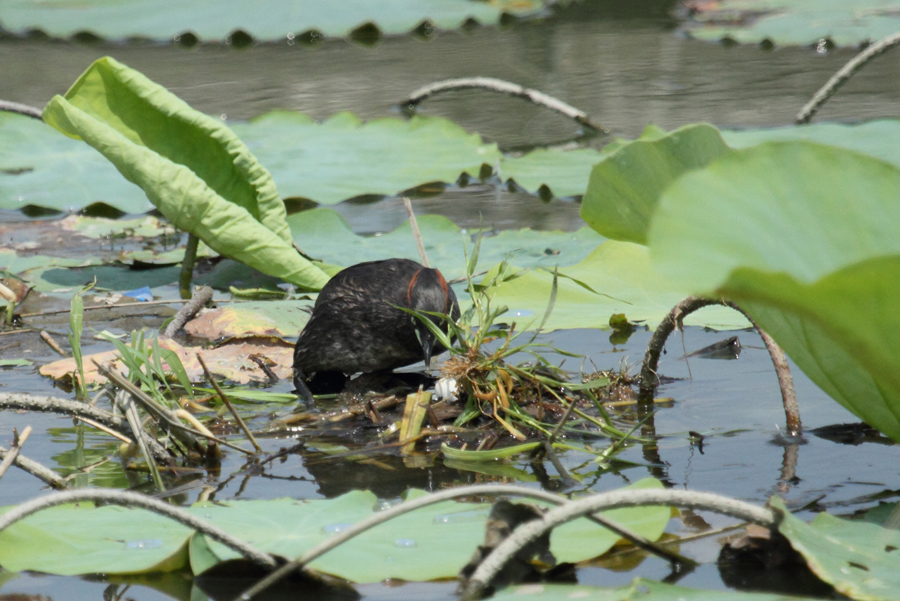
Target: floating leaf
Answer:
[[859, 559], [563, 172], [326, 236], [280, 319], [624, 281], [794, 22], [15, 363], [342, 157], [432, 542], [264, 19], [802, 236], [640, 589], [83, 539], [192, 167], [417, 547]]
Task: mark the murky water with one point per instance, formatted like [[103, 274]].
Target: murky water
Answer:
[[626, 71]]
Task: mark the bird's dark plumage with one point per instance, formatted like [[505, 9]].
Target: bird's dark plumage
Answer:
[[356, 326]]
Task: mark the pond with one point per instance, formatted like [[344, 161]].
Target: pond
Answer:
[[623, 63]]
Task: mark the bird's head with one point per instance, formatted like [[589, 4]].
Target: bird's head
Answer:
[[429, 291]]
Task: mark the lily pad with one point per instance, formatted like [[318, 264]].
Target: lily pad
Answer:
[[15, 363], [192, 167], [417, 547], [281, 319], [803, 236], [83, 539], [343, 157], [562, 172], [794, 22], [859, 559], [264, 19], [639, 590], [623, 281], [432, 542], [325, 235]]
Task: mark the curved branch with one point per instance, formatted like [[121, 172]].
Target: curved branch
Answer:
[[843, 75], [202, 295], [650, 380], [407, 506], [532, 530], [503, 87], [21, 109], [131, 499]]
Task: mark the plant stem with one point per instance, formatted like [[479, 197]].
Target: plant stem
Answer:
[[187, 266]]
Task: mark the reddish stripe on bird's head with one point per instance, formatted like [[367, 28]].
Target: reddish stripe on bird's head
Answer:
[[443, 284], [412, 284]]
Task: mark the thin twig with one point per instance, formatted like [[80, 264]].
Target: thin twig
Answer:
[[530, 531], [46, 337], [504, 87], [650, 380], [237, 416], [37, 470], [118, 306], [417, 236], [408, 506], [14, 450], [21, 109], [843, 75], [103, 428], [202, 295], [131, 499]]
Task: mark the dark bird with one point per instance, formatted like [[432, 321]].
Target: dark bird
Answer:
[[356, 325]]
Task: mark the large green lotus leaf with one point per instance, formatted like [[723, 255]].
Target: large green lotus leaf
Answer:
[[82, 539], [342, 157], [193, 168], [859, 559], [262, 19], [803, 236], [563, 172], [621, 275], [640, 589], [39, 167], [429, 543], [624, 188], [874, 138], [795, 22], [323, 234]]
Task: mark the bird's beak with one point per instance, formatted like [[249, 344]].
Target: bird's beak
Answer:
[[426, 348]]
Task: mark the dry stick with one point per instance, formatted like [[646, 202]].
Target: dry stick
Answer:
[[228, 404], [14, 450], [447, 495], [131, 499], [649, 379], [202, 295], [181, 432], [48, 404], [504, 87], [37, 470], [417, 236], [530, 531], [46, 337], [95, 307], [843, 75], [103, 428], [21, 109]]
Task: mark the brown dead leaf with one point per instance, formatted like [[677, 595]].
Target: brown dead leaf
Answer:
[[230, 361]]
